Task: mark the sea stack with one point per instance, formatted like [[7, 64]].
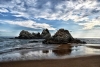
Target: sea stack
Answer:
[[60, 37], [25, 35]]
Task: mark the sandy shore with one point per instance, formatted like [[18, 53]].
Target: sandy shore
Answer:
[[96, 47], [89, 61]]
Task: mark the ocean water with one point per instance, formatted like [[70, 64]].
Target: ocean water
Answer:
[[21, 49]]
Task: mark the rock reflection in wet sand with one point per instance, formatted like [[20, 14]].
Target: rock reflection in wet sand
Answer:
[[61, 50]]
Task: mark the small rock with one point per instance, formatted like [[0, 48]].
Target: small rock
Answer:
[[33, 41]]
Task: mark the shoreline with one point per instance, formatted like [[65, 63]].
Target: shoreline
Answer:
[[82, 61]]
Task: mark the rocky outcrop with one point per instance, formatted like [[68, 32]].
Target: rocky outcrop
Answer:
[[45, 34], [25, 35], [33, 41], [61, 37]]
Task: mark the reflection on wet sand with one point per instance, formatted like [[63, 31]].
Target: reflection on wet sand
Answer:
[[62, 52], [62, 49], [59, 51], [95, 47]]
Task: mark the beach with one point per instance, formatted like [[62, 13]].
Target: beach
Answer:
[[21, 53], [85, 61]]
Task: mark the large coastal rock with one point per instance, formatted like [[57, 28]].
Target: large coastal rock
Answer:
[[45, 34], [25, 35], [61, 37]]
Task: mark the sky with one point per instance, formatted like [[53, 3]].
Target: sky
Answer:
[[80, 17]]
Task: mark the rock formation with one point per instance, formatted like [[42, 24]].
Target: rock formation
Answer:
[[25, 35], [45, 34], [61, 37]]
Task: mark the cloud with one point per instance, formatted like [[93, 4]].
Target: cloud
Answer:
[[3, 1], [29, 24], [3, 10], [91, 24], [65, 10], [86, 34], [76, 10], [20, 14]]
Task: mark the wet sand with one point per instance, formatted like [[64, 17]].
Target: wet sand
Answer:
[[86, 61], [95, 47]]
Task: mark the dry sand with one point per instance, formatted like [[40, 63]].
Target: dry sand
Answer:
[[89, 61]]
